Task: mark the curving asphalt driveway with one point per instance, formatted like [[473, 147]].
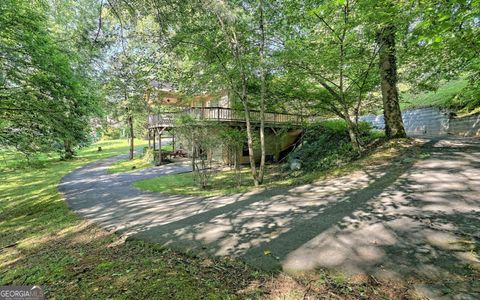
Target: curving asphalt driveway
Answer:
[[418, 217]]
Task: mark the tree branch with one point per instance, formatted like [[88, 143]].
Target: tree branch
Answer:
[[328, 26], [99, 22]]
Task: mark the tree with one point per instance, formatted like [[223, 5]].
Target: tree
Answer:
[[385, 18], [125, 89], [430, 42], [46, 101], [133, 62], [388, 72], [232, 140], [330, 48], [219, 47], [442, 43], [74, 25], [262, 67], [199, 138]]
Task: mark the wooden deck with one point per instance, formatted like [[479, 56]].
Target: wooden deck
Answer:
[[220, 114]]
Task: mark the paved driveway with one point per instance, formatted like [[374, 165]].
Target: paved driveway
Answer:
[[414, 218]]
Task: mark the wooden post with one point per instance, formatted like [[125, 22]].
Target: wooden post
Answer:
[[193, 153], [173, 142], [154, 139], [277, 145], [149, 142], [159, 147]]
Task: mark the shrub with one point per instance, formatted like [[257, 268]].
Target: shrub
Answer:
[[111, 133], [327, 144], [467, 100], [148, 155]]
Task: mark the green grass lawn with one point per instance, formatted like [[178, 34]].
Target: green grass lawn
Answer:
[[221, 183], [137, 163], [443, 97], [225, 182], [126, 165], [43, 243]]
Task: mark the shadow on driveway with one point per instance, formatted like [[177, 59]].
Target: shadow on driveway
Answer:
[[414, 218]]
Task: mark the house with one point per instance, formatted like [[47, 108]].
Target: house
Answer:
[[282, 130]]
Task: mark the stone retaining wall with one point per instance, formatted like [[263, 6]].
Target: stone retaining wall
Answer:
[[432, 122]]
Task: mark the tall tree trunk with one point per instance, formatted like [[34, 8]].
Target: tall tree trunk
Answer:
[[388, 73], [231, 38], [67, 146], [193, 152], [262, 96], [238, 173], [130, 125], [352, 128], [251, 155]]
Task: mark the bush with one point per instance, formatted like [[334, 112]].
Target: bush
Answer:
[[148, 155], [467, 100], [111, 133], [327, 144]]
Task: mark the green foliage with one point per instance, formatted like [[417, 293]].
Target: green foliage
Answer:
[[460, 95], [468, 100], [326, 145], [112, 133], [233, 137], [446, 96], [46, 96], [202, 138], [442, 45], [330, 55], [200, 134], [334, 54], [233, 140]]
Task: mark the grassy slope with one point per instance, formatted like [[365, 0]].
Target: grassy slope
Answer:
[[440, 98], [31, 190], [43, 243], [137, 163]]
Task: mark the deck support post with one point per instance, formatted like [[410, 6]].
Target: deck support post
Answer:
[[159, 147], [149, 141], [193, 155], [153, 140]]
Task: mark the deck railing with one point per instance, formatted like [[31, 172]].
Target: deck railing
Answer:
[[221, 114]]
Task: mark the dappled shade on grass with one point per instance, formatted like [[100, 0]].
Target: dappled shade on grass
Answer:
[[415, 217], [221, 183], [43, 242], [137, 163], [225, 182], [126, 165]]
